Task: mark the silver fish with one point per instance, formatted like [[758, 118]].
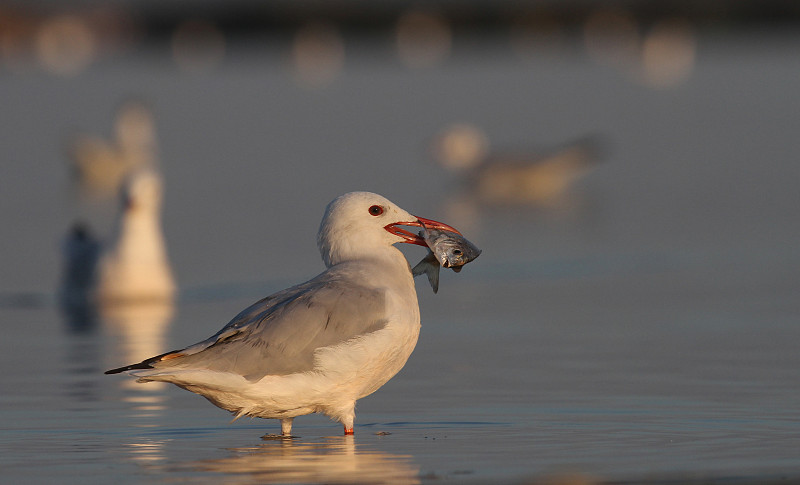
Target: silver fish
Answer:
[[451, 250], [446, 249]]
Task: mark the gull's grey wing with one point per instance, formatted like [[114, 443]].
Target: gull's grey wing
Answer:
[[279, 334]]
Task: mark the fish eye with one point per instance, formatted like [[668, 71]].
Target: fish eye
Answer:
[[457, 252], [376, 210]]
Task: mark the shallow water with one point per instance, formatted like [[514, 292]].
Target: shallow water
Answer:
[[643, 327]]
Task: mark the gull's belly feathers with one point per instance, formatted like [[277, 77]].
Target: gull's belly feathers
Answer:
[[352, 370], [342, 374]]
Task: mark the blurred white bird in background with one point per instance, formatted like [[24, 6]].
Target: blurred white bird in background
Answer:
[[133, 265], [100, 165], [529, 176]]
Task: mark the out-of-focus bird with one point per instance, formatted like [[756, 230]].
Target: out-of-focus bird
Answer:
[[515, 177], [134, 265], [101, 165], [80, 252]]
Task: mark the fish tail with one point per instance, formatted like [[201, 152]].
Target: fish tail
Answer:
[[433, 278]]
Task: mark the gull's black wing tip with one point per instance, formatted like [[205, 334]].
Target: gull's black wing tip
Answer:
[[145, 364]]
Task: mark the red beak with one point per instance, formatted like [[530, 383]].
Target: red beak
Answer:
[[411, 238]]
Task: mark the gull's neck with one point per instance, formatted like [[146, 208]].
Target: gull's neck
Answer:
[[385, 267], [140, 233]]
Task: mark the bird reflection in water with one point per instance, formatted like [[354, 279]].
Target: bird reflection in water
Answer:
[[328, 460], [134, 330], [138, 330], [147, 451]]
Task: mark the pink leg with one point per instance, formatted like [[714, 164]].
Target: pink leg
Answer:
[[346, 418], [286, 426]]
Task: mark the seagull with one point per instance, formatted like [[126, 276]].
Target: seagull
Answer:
[[81, 250], [101, 165], [531, 176], [134, 266], [321, 345], [131, 267]]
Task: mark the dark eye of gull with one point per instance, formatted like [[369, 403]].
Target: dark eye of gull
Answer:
[[376, 210]]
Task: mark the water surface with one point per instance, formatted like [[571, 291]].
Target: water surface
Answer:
[[642, 328]]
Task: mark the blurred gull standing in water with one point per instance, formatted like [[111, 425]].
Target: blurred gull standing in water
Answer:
[[81, 251], [319, 346], [102, 165], [524, 177], [133, 266]]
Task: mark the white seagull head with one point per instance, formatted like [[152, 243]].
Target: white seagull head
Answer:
[[359, 224]]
